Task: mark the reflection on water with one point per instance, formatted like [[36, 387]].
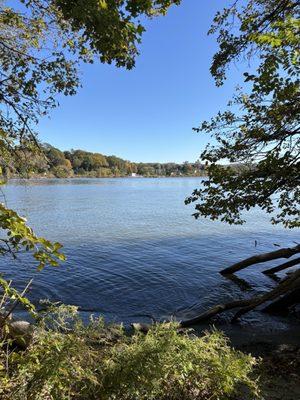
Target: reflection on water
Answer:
[[133, 248]]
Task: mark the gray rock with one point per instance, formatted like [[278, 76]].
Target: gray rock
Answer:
[[21, 332]]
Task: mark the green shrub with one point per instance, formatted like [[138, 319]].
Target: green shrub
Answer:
[[166, 365], [70, 360]]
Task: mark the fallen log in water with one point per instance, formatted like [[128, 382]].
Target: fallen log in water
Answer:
[[218, 309], [282, 305], [260, 258], [281, 267], [289, 284], [286, 293]]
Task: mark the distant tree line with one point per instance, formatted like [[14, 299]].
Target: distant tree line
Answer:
[[50, 161]]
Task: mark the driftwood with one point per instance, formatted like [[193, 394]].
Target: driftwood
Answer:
[[240, 282], [249, 304], [282, 305], [281, 267], [260, 258], [291, 283], [218, 309], [286, 293]]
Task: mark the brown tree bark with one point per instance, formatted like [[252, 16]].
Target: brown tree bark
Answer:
[[291, 283], [218, 309], [260, 258], [282, 305], [281, 267]]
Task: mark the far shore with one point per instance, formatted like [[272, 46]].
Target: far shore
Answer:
[[48, 177]]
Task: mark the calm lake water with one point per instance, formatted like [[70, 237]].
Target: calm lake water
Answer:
[[133, 249]]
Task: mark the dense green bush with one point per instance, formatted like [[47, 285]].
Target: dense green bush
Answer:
[[70, 360]]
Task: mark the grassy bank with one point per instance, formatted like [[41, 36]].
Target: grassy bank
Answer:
[[70, 360], [67, 359]]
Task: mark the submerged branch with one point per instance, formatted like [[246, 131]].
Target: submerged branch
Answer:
[[260, 258], [281, 267], [291, 283]]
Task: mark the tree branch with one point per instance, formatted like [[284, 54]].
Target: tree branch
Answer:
[[273, 255]]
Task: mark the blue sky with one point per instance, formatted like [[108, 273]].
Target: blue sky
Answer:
[[147, 114]]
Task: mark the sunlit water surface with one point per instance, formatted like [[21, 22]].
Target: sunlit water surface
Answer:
[[134, 251]]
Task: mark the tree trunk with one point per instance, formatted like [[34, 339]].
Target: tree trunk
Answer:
[[282, 305], [220, 308], [281, 267], [290, 283], [273, 255], [247, 305]]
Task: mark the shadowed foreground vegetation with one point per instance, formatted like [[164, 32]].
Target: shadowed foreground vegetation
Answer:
[[71, 360]]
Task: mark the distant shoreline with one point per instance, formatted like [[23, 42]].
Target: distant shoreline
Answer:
[[41, 177], [52, 162]]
